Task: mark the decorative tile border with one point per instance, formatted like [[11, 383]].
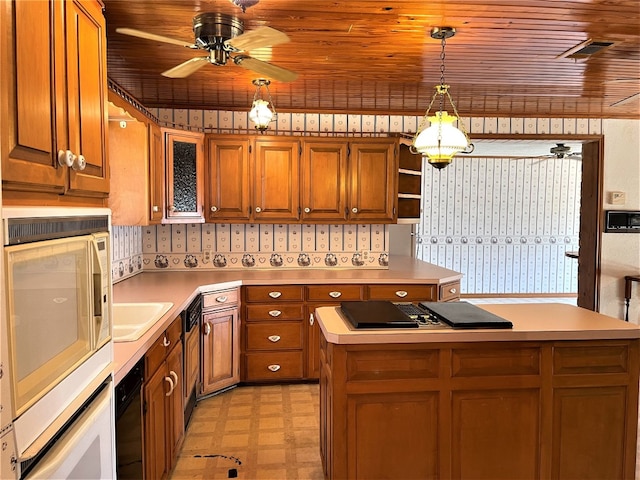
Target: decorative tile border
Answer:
[[264, 246]]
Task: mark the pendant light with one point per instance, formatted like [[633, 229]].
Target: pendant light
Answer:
[[262, 111], [441, 140]]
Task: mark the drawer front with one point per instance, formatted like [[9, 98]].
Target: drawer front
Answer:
[[273, 366], [318, 293], [277, 293], [403, 293], [273, 312], [449, 291], [582, 359], [161, 347], [274, 336], [220, 299], [174, 332]]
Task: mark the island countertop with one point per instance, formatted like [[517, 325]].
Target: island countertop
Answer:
[[531, 322], [180, 287]]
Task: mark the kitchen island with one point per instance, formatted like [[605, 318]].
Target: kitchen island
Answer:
[[554, 397]]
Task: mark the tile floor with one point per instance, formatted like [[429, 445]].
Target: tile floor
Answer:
[[266, 432]]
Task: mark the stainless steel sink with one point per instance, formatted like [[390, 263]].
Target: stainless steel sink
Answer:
[[132, 320]]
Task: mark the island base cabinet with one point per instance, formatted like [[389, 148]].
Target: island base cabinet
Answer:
[[480, 410]]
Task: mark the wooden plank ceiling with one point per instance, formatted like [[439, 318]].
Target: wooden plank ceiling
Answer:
[[377, 57]]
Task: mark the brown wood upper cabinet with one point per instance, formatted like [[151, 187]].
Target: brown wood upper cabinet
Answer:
[[276, 188], [310, 180], [349, 181], [136, 161], [54, 119], [227, 170], [185, 176]]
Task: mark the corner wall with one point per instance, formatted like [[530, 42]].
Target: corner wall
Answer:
[[620, 251]]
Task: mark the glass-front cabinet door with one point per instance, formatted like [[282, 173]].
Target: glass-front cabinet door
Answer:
[[185, 162]]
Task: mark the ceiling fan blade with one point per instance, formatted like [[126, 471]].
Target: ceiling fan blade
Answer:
[[265, 69], [257, 38], [186, 68], [150, 36]]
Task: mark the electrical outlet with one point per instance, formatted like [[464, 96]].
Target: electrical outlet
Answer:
[[617, 198]]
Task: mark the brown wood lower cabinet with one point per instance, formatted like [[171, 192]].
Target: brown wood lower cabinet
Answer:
[[163, 403], [220, 343], [494, 410]]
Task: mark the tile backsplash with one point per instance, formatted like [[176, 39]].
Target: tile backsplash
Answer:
[[247, 246]]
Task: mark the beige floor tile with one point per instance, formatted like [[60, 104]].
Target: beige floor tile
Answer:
[[235, 440], [271, 422], [272, 456], [271, 438], [240, 424], [270, 409]]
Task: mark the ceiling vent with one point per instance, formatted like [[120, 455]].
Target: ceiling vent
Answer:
[[585, 49]]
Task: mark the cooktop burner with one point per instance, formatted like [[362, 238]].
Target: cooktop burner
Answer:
[[423, 318]]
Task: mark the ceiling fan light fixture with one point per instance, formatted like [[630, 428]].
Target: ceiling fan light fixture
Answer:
[[437, 139], [262, 111]]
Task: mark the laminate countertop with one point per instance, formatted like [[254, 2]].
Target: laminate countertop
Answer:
[[531, 322], [180, 287]]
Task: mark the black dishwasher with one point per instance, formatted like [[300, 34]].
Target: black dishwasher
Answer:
[[129, 424]]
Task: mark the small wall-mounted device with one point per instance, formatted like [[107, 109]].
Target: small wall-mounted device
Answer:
[[622, 221]]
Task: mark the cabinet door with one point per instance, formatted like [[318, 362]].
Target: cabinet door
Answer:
[[276, 189], [373, 178], [28, 116], [220, 350], [175, 404], [155, 421], [87, 90], [228, 174], [185, 158], [156, 175], [324, 180]]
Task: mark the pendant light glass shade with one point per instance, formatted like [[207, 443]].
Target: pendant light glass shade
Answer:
[[261, 114], [262, 111], [441, 140]]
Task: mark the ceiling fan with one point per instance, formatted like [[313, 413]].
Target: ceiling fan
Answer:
[[560, 151], [223, 38]]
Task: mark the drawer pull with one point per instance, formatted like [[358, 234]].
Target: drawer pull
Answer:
[[171, 386], [207, 328], [274, 368], [221, 299], [275, 313], [275, 294], [274, 338], [401, 293], [453, 290], [335, 294], [166, 342]]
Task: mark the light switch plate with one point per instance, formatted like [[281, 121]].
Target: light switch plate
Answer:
[[617, 198]]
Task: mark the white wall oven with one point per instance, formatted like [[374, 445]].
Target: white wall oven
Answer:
[[57, 319]]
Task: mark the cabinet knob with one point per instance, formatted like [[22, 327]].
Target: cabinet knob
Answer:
[[401, 293], [311, 319], [79, 163], [274, 368], [354, 210], [274, 338], [155, 208], [258, 209], [335, 294], [275, 294], [221, 299], [275, 313], [307, 210], [65, 158], [214, 209]]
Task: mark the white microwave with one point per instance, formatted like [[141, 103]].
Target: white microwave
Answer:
[[58, 297]]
